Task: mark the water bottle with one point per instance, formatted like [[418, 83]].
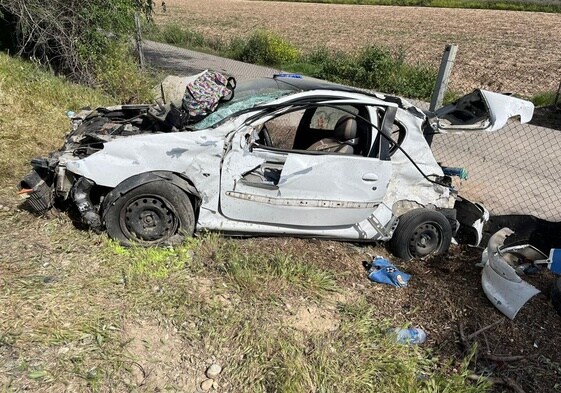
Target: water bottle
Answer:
[[409, 336]]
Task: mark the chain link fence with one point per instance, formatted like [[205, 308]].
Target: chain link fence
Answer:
[[514, 171]]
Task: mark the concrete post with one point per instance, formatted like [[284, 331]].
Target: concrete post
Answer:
[[446, 64]]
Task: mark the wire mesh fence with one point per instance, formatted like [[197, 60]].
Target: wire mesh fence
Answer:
[[516, 170]]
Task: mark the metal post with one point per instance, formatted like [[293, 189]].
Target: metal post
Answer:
[[138, 37], [444, 72], [557, 94]]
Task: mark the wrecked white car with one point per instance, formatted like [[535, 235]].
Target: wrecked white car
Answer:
[[285, 156]]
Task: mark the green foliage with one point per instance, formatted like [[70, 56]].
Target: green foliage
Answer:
[[175, 34], [376, 68], [72, 37], [553, 6], [264, 47], [545, 98], [118, 74]]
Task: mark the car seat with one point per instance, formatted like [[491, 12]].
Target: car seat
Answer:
[[344, 138]]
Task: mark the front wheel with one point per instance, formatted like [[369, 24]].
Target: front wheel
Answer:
[[151, 214], [419, 233]]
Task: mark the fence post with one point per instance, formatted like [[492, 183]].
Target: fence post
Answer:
[[444, 72], [138, 39], [557, 94]]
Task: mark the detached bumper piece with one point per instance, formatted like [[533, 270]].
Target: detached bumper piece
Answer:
[[499, 279], [38, 192]]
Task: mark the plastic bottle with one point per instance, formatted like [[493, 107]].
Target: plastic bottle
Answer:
[[409, 336]]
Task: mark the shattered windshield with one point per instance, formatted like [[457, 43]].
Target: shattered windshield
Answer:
[[247, 95]]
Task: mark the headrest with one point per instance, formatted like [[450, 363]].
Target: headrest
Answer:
[[346, 129]]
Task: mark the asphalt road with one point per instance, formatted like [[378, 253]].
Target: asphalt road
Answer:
[[516, 170]]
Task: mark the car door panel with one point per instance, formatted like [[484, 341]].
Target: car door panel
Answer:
[[325, 190]]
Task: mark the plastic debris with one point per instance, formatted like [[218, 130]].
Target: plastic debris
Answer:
[[409, 335], [380, 270]]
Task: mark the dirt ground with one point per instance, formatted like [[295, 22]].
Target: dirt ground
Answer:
[[505, 51]]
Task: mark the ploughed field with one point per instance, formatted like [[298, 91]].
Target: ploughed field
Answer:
[[505, 51]]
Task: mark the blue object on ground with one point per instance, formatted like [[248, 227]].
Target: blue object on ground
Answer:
[[555, 260], [382, 271], [409, 336]]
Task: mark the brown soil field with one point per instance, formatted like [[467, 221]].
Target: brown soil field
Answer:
[[505, 51]]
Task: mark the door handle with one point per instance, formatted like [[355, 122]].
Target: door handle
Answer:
[[370, 177]]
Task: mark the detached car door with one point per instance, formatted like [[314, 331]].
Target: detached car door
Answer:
[[295, 187]]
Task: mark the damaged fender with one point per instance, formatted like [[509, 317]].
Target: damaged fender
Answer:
[[501, 284], [148, 177]]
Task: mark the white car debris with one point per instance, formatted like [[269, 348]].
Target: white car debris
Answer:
[[284, 156]]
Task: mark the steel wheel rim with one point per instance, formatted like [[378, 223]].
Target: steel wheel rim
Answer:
[[426, 239], [149, 219]]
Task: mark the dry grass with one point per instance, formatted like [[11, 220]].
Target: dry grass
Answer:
[[499, 50]]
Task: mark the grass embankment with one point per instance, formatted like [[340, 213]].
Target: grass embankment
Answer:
[[80, 313], [513, 5]]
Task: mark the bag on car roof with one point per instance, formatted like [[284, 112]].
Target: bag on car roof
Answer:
[[203, 94]]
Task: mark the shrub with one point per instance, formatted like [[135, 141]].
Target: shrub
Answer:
[[118, 74], [376, 68], [264, 47]]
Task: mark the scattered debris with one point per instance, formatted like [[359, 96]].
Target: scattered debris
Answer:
[[502, 266], [380, 270], [409, 335]]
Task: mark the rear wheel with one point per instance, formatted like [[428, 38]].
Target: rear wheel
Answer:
[[154, 213], [419, 233]]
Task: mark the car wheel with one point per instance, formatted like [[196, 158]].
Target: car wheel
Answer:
[[556, 295], [154, 213], [421, 232]]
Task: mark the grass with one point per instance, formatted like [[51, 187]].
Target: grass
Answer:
[[374, 67], [553, 6], [80, 313], [545, 98]]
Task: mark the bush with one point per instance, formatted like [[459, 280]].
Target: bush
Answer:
[[376, 68], [118, 74], [264, 47]]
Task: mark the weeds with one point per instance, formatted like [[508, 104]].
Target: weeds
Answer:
[[545, 98], [264, 47], [118, 75]]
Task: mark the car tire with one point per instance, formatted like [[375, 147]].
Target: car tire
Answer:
[[154, 213], [556, 295], [419, 233]]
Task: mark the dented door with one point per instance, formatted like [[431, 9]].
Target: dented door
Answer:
[[296, 188]]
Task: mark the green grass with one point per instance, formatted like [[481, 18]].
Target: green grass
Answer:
[[545, 98], [516, 5]]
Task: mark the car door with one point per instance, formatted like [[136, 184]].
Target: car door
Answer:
[[266, 185]]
